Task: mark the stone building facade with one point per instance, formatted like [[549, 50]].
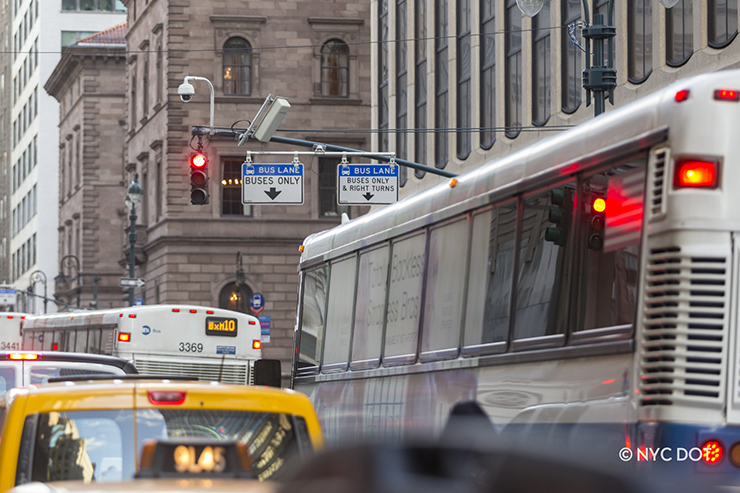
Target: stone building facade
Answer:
[[90, 84], [312, 52], [478, 80]]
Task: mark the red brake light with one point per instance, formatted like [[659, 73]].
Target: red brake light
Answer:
[[193, 311], [166, 397], [726, 95], [693, 173], [23, 356], [682, 95], [209, 312], [176, 310], [10, 316], [124, 337], [252, 322], [712, 452], [131, 315], [256, 344]]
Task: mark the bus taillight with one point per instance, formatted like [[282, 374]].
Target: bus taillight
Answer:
[[712, 452], [124, 337], [682, 95], [696, 174], [726, 95], [256, 344], [167, 397], [23, 356]]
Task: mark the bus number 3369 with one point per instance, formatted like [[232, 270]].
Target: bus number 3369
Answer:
[[190, 347]]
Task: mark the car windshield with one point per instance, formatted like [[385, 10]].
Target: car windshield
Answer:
[[98, 446]]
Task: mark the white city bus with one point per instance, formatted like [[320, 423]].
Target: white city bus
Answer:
[[10, 330], [589, 280], [194, 341]]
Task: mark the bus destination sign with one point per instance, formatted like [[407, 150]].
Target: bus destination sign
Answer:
[[221, 326]]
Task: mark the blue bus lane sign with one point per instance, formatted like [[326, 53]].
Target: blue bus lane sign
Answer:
[[367, 184], [272, 183]]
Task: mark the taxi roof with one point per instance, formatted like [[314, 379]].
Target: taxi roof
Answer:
[[153, 485], [115, 393]]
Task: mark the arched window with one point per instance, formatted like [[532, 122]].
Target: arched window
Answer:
[[513, 70], [487, 74], [679, 33], [640, 39], [722, 20], [335, 68], [571, 64], [541, 66], [401, 88], [235, 297], [237, 67]]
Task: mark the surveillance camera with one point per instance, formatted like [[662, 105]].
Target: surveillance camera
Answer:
[[186, 92]]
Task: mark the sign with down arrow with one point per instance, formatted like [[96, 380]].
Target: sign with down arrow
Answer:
[[367, 184], [272, 183]]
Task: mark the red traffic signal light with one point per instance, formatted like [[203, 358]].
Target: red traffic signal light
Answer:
[[198, 160], [198, 178]]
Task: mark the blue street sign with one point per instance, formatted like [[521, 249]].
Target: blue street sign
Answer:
[[257, 303]]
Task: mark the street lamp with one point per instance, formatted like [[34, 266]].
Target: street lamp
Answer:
[[135, 192], [599, 78], [39, 276], [69, 261]]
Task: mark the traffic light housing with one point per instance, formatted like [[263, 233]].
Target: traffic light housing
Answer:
[[199, 178], [559, 215], [596, 221], [125, 295]]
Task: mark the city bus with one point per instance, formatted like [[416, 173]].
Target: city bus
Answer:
[[194, 341], [10, 330], [587, 283]]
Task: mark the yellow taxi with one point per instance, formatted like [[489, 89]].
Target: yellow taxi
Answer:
[[174, 465], [93, 430]]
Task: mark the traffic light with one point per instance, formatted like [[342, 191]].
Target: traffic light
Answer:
[[125, 296], [198, 178], [597, 221], [559, 214]]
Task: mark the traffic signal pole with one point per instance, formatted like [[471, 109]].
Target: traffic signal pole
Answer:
[[323, 147]]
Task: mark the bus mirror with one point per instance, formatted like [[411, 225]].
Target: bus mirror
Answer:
[[267, 372]]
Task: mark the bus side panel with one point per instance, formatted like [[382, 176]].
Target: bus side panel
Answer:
[[402, 406]]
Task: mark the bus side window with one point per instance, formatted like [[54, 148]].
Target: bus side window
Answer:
[[29, 338], [339, 310], [93, 341], [404, 300], [372, 283], [609, 246], [544, 265], [69, 341], [444, 290], [81, 341], [313, 315], [496, 233]]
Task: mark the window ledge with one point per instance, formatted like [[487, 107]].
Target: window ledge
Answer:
[[239, 99], [336, 101]]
